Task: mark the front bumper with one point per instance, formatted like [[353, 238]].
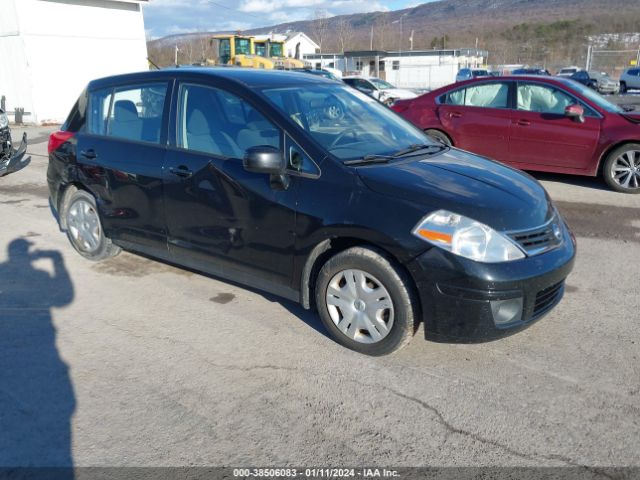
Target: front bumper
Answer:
[[467, 301], [13, 160], [613, 89]]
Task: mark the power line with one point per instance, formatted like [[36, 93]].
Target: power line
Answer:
[[235, 10]]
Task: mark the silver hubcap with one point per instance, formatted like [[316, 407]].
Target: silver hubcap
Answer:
[[84, 226], [626, 169], [360, 306]]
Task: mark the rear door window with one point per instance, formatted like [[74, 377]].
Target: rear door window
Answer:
[[488, 95], [136, 113]]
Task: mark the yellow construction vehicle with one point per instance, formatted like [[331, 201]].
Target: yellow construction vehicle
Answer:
[[239, 50], [274, 50]]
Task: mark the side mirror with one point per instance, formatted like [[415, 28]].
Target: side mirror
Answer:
[[576, 112], [264, 159], [269, 160]]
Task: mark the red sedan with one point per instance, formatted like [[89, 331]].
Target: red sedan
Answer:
[[535, 123]]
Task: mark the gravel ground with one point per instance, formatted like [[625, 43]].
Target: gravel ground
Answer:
[[132, 362]]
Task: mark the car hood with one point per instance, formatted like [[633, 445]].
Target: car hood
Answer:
[[633, 116], [399, 93], [484, 190]]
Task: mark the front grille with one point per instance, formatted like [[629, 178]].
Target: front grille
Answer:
[[547, 299], [539, 240]]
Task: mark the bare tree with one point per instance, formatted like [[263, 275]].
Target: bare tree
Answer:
[[345, 33], [320, 27]]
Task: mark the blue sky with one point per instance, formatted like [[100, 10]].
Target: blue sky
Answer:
[[166, 17]]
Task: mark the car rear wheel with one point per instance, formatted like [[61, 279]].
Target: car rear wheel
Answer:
[[439, 136], [84, 228], [622, 169], [365, 301]]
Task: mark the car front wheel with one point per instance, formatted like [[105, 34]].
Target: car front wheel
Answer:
[[84, 228], [365, 301], [622, 169]]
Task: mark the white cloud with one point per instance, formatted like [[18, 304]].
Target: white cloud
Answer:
[[163, 17], [261, 6]]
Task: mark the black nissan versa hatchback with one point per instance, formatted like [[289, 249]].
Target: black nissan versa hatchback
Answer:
[[310, 190]]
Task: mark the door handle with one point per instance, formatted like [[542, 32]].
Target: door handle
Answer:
[[523, 123], [89, 154], [455, 115], [181, 171]]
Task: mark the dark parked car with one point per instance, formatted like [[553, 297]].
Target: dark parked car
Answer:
[[469, 73], [11, 159], [530, 71], [242, 174], [319, 72], [535, 123], [598, 81]]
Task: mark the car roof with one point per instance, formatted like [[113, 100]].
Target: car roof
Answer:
[[558, 81], [247, 77]]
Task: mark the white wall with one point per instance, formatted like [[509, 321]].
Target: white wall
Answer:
[[62, 46], [418, 71], [307, 46]]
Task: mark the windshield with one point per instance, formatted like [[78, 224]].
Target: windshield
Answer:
[[595, 97], [243, 46], [568, 71], [598, 75], [480, 73], [276, 50], [345, 122], [381, 84]]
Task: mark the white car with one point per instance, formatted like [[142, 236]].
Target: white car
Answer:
[[379, 89], [630, 79], [568, 71]]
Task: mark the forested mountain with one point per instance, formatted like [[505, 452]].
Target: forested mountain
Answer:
[[545, 32]]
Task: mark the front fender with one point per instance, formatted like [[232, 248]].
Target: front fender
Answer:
[[16, 159]]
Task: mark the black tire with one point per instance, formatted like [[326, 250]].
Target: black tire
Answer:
[[396, 282], [103, 247], [610, 162], [439, 136], [623, 87]]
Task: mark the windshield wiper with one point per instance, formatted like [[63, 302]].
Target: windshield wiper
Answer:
[[370, 159], [417, 147]]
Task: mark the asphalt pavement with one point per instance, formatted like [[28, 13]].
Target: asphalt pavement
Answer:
[[132, 362]]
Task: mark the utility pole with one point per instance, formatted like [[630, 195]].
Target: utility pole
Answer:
[[589, 53], [371, 47], [176, 56], [411, 40]]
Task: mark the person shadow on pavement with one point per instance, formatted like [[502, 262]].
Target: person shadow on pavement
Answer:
[[37, 399]]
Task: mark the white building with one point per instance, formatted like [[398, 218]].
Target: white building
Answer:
[[51, 49], [295, 43], [300, 44], [407, 69]]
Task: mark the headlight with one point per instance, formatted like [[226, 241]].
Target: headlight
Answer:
[[467, 238], [4, 120]]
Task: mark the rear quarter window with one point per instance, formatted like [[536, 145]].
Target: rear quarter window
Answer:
[[77, 117]]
